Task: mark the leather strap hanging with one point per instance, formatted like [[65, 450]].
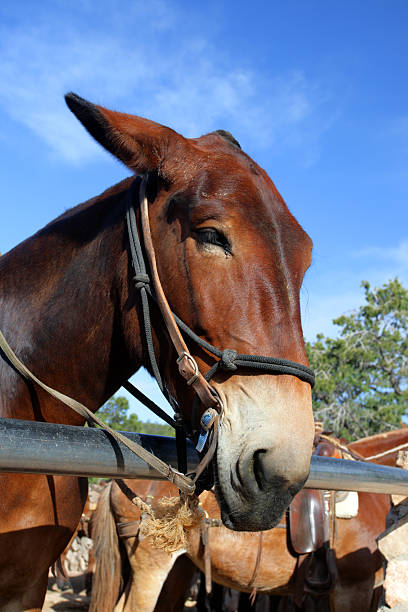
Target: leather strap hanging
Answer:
[[254, 576], [184, 483]]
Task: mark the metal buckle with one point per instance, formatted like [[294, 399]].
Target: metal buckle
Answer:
[[193, 362], [206, 419]]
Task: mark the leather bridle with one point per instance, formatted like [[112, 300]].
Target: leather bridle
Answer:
[[147, 281]]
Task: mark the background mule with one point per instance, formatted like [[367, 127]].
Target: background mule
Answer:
[[231, 259], [152, 579]]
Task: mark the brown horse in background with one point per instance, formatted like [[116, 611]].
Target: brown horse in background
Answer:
[[231, 259], [157, 580]]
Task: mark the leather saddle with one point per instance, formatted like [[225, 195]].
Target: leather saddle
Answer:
[[308, 521], [309, 512], [310, 531]]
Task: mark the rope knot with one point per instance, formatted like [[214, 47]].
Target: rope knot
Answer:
[[141, 280], [227, 361]]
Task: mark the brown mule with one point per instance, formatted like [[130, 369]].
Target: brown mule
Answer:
[[231, 259], [234, 556]]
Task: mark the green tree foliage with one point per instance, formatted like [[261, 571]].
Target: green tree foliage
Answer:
[[362, 375], [115, 413]]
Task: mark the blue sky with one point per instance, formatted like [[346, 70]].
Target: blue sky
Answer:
[[316, 92]]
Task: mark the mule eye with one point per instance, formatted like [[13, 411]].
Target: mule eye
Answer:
[[209, 235]]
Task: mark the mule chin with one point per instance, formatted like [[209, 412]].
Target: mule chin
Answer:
[[255, 488], [260, 514]]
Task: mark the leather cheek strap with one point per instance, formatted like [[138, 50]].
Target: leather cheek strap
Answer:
[[186, 363]]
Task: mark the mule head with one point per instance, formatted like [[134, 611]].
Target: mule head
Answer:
[[231, 259]]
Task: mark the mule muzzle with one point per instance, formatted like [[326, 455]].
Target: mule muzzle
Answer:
[[261, 489]]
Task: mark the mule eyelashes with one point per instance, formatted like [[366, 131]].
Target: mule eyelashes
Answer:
[[209, 235], [204, 236]]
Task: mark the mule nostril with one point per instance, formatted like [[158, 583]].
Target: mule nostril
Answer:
[[259, 468], [269, 475]]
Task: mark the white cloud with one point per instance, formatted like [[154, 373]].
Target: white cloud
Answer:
[[37, 68], [189, 86], [160, 14], [397, 254]]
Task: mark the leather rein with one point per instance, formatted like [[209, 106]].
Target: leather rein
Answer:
[[149, 286]]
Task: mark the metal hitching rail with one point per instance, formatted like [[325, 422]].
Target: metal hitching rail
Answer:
[[47, 448]]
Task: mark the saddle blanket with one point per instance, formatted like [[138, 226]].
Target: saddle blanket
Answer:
[[346, 504]]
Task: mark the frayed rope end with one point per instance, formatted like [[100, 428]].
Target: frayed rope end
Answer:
[[170, 521]]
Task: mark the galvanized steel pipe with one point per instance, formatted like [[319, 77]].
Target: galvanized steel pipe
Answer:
[[345, 475], [47, 448]]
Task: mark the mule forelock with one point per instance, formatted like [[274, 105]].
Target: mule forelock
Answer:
[[228, 137]]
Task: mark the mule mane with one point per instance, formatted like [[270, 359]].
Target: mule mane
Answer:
[[108, 193], [83, 222]]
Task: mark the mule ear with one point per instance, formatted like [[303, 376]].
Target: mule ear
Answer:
[[139, 143]]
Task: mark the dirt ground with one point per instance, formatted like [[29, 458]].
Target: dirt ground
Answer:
[[71, 600], [75, 599]]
